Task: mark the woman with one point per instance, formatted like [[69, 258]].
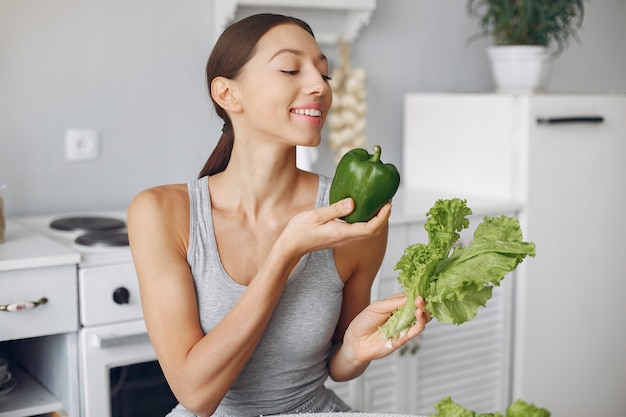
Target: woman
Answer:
[[253, 290]]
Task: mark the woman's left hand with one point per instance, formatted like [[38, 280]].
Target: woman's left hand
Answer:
[[363, 337]]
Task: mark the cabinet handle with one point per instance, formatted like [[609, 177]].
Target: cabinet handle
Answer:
[[573, 119], [112, 341], [27, 305]]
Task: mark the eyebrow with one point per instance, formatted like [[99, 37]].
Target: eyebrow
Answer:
[[296, 52]]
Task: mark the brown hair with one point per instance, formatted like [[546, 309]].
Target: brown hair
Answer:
[[231, 52]]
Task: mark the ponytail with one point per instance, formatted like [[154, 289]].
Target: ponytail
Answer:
[[218, 161]]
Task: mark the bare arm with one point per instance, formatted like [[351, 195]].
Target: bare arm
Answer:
[[357, 339], [201, 368]]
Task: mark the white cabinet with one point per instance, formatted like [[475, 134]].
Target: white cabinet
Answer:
[[330, 19], [470, 362], [563, 157], [40, 341], [51, 290]]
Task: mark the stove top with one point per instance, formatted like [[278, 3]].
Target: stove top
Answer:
[[103, 239], [100, 237], [88, 223], [104, 271], [97, 231]]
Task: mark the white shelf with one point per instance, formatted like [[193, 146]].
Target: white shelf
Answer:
[[329, 19], [28, 398]]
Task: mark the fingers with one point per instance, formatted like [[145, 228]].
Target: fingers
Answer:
[[319, 228], [422, 317], [337, 210], [347, 231], [382, 215], [420, 303], [389, 304], [399, 299], [344, 207]]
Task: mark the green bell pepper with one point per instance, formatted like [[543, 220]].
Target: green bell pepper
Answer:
[[364, 178]]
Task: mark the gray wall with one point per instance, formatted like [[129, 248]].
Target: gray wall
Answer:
[[134, 70]]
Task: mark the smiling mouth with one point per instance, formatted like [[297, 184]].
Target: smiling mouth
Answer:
[[308, 112]]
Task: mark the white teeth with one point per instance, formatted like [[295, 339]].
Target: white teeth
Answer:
[[308, 112]]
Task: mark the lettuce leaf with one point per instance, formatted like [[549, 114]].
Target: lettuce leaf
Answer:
[[446, 407], [456, 280], [523, 409]]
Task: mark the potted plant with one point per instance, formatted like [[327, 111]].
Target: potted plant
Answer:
[[527, 35]]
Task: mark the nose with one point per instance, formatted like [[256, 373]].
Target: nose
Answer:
[[316, 84]]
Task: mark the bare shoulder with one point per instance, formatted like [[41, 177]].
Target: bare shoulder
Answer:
[[160, 210], [160, 200]]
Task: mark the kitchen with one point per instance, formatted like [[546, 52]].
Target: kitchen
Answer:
[[134, 72]]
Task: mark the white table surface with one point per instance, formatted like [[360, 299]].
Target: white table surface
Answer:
[[23, 248]]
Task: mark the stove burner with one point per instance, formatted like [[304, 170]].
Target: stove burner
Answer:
[[87, 224], [103, 239]]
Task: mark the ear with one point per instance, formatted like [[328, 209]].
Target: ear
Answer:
[[224, 92]]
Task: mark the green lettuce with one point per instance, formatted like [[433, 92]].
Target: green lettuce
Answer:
[[448, 408], [456, 280], [523, 409]]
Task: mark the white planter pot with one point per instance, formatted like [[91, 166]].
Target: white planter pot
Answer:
[[520, 68]]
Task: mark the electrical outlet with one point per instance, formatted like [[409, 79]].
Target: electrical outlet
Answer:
[[81, 145]]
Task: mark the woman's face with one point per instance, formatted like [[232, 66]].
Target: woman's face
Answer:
[[284, 89]]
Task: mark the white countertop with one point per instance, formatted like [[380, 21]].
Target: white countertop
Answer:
[[411, 205], [23, 248]]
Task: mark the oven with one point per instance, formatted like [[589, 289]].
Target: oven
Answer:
[[118, 372]]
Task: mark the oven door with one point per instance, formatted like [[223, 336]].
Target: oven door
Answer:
[[120, 376]]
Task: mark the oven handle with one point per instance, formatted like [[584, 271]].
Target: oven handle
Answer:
[[26, 305], [112, 341]]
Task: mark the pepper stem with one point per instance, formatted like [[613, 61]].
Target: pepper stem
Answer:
[[376, 156]]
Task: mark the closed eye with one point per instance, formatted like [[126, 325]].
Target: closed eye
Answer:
[[295, 72]]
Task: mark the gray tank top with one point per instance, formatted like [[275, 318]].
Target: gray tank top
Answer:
[[289, 366]]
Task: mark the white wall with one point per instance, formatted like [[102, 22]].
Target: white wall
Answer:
[[134, 70]]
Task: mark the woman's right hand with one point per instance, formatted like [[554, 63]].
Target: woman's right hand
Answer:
[[322, 227]]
